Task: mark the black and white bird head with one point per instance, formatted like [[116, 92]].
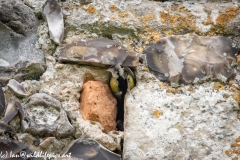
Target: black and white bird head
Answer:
[[121, 80]]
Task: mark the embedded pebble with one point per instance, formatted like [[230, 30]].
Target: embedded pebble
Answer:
[[17, 88]]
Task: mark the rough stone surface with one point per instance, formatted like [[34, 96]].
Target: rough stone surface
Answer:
[[133, 23], [98, 104], [189, 122], [20, 59], [151, 20], [64, 82], [44, 116]]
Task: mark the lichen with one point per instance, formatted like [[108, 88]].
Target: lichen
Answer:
[[148, 17], [123, 14], [236, 97], [113, 7], [179, 20], [157, 113], [234, 151], [90, 9], [218, 86], [224, 18]]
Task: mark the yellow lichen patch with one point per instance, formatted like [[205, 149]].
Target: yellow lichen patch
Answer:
[[91, 9], [149, 35], [139, 49], [157, 113], [227, 153], [161, 85], [153, 36], [238, 59], [147, 17], [174, 90], [235, 149], [238, 139], [235, 158], [236, 97], [190, 89], [113, 7], [224, 18], [123, 14], [177, 21], [218, 86], [235, 145]]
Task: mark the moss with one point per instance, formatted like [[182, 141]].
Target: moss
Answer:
[[218, 29], [33, 71]]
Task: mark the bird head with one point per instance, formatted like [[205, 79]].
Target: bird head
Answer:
[[121, 79]]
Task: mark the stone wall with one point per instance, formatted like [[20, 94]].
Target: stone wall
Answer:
[[192, 121]]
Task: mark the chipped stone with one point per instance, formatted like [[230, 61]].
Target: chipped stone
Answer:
[[17, 88], [179, 57], [98, 52]]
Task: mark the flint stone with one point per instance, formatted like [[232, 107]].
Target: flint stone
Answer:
[[90, 149], [46, 117], [2, 102], [14, 147], [52, 13], [192, 58], [17, 88], [19, 59], [101, 52], [98, 104]]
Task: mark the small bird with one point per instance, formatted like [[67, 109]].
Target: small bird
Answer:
[[121, 79]]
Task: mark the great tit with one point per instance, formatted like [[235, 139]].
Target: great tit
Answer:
[[121, 79]]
